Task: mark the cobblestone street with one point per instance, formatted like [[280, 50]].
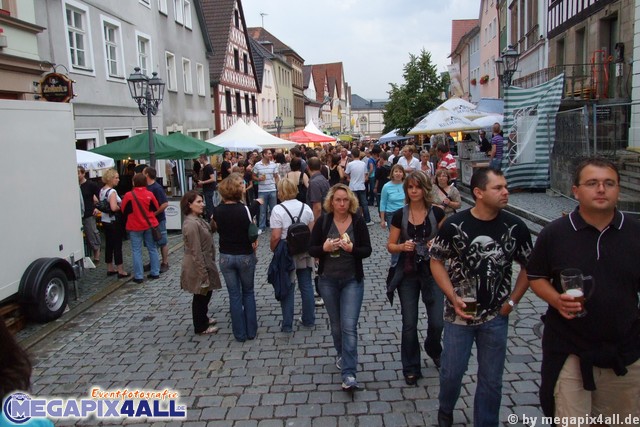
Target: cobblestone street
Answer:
[[141, 337]]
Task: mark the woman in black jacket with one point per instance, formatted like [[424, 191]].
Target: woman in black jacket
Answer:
[[340, 239]]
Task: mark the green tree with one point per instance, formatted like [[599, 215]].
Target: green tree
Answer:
[[419, 94]]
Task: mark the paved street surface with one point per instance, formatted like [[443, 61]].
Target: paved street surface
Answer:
[[140, 336]]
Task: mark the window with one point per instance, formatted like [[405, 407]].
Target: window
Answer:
[[144, 53], [246, 103], [170, 61], [245, 60], [238, 104], [78, 40], [162, 6], [236, 60], [227, 98], [200, 79], [253, 104], [113, 54], [145, 2], [187, 13], [178, 8], [9, 6], [186, 75], [236, 19]]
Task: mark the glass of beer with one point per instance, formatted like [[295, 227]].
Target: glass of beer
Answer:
[[572, 282], [468, 293], [334, 237]]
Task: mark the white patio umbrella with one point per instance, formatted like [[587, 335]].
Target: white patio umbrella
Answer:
[[443, 120], [267, 140], [488, 120], [93, 161], [237, 138], [462, 108]]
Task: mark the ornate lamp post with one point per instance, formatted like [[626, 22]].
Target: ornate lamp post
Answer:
[[507, 65], [148, 94], [278, 122]]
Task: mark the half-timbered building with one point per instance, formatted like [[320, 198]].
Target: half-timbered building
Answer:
[[234, 84]]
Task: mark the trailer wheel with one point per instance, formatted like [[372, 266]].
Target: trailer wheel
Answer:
[[51, 296]]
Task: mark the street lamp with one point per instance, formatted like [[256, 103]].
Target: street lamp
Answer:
[[148, 94], [507, 65], [278, 122]]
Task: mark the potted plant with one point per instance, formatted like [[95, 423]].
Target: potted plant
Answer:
[[473, 82], [484, 79]]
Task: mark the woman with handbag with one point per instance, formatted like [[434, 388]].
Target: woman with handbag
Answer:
[[199, 274], [238, 240], [112, 224], [138, 207], [412, 228], [445, 194]]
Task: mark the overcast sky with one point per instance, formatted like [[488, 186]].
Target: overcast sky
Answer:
[[372, 38]]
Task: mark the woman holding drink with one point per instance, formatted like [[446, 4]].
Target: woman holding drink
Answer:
[[412, 229], [340, 239]]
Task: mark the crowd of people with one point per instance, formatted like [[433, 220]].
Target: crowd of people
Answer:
[[459, 263]]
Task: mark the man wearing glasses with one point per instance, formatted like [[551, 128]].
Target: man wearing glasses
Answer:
[[590, 363]]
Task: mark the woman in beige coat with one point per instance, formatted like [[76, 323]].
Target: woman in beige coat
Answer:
[[199, 272]]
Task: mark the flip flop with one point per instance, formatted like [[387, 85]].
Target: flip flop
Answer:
[[209, 331]]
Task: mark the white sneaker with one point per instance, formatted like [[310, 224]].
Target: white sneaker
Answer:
[[370, 223], [349, 383], [259, 232]]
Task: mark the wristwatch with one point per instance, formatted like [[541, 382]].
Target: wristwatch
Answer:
[[512, 303]]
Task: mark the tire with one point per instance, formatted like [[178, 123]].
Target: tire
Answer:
[[51, 296]]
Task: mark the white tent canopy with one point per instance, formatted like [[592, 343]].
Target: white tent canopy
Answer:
[[462, 108], [487, 121], [239, 137], [443, 120], [311, 127], [266, 140]]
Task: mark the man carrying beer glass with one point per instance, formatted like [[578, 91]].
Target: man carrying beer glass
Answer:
[[591, 342], [481, 244]]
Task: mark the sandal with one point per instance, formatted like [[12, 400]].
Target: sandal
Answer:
[[212, 322], [209, 331]]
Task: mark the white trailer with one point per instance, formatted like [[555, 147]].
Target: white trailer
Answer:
[[41, 244]]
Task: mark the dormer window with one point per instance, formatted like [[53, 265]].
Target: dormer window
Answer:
[[236, 18]]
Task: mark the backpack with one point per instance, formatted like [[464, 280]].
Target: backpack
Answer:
[[302, 190], [298, 234]]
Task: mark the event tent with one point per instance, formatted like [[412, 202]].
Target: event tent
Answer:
[[137, 147], [392, 136], [266, 140], [93, 161], [237, 138], [443, 120]]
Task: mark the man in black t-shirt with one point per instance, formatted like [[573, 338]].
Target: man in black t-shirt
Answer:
[[161, 197], [207, 183], [481, 244], [90, 196], [225, 167]]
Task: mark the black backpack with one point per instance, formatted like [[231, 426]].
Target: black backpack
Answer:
[[298, 234]]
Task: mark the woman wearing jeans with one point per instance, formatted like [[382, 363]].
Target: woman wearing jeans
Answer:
[[340, 239], [237, 255]]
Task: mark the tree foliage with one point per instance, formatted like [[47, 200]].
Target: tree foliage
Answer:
[[419, 94]]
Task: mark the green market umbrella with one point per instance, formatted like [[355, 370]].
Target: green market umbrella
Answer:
[[188, 141], [137, 147]]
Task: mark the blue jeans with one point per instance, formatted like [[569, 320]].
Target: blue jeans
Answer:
[[361, 195], [208, 202], [308, 301], [137, 238], [433, 298], [371, 185], [491, 343], [238, 272], [269, 198], [495, 164], [343, 300]]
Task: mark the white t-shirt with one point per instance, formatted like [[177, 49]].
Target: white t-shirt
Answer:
[[280, 219], [107, 217], [357, 170], [414, 164]]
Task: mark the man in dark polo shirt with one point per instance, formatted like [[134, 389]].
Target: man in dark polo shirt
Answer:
[[163, 203], [318, 188], [590, 364]]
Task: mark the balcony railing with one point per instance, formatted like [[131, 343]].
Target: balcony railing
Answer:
[[581, 81]]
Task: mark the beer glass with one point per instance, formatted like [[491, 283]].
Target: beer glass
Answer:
[[572, 282], [334, 236], [468, 293]]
